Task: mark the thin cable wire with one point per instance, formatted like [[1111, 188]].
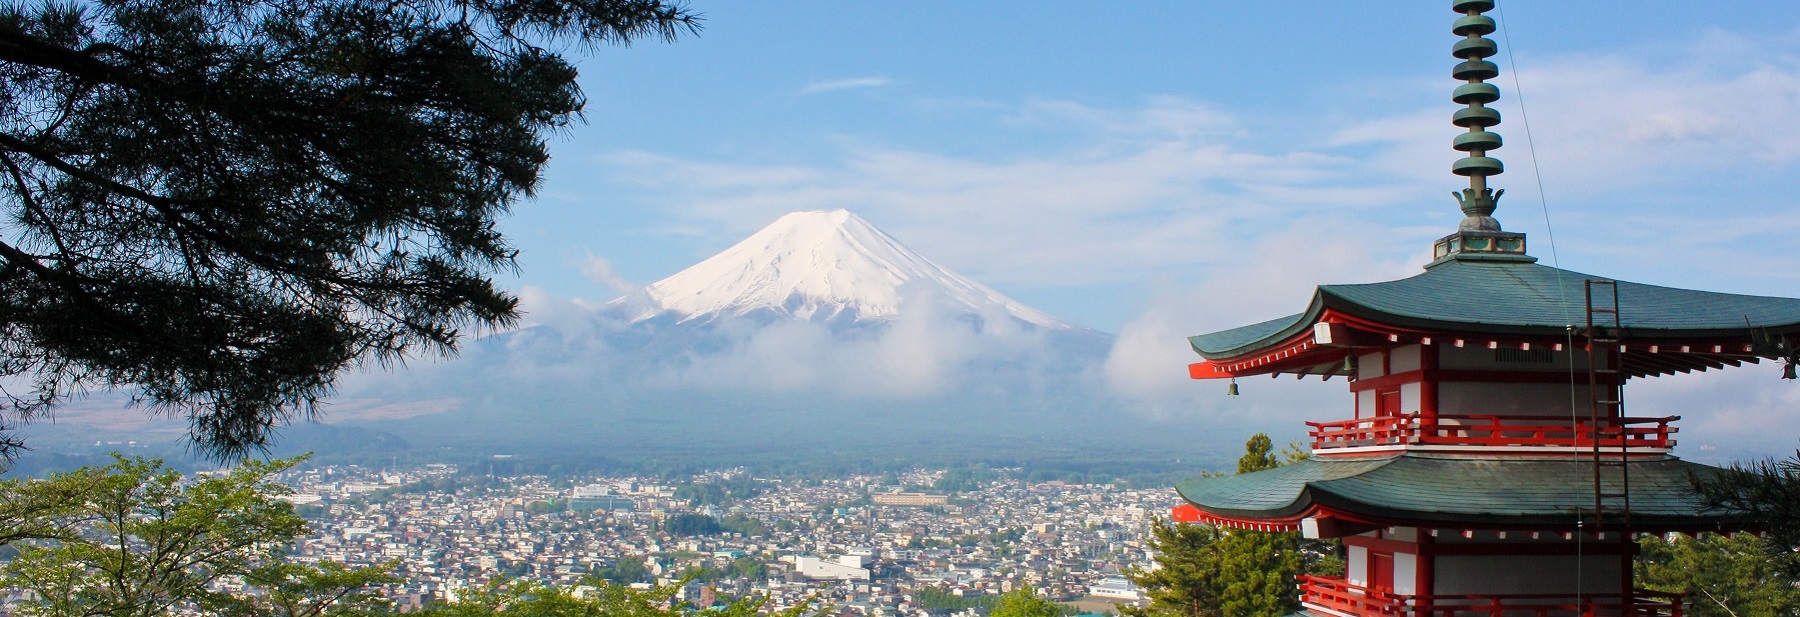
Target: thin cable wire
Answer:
[[1562, 290], [1561, 287], [1536, 173]]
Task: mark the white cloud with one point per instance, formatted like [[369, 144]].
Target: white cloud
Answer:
[[1726, 416], [1608, 123], [1148, 363], [602, 272], [845, 84], [929, 350], [577, 350], [1161, 119], [1167, 190]]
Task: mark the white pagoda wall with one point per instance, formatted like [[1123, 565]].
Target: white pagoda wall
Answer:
[[1406, 574], [1554, 398], [1405, 358], [1512, 399], [1527, 574]]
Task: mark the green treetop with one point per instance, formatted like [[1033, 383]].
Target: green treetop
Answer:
[[221, 204], [1022, 603], [1211, 571], [143, 541]]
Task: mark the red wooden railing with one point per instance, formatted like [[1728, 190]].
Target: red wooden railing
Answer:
[[1487, 430], [1340, 596]]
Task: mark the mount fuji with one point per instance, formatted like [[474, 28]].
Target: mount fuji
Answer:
[[824, 266], [815, 292]]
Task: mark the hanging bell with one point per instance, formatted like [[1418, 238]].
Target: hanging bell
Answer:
[[1231, 388], [1350, 364]]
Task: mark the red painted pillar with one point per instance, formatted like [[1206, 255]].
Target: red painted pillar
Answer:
[[1428, 381], [1425, 586]]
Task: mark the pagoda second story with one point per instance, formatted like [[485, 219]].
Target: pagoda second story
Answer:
[[1485, 462], [1497, 355]]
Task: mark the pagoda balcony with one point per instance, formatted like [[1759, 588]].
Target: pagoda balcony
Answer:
[[1335, 596], [1537, 432]]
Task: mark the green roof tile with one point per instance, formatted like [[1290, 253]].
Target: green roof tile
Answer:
[[1518, 298], [1454, 489]]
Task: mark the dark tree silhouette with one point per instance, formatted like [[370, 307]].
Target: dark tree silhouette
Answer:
[[218, 205], [1767, 494]]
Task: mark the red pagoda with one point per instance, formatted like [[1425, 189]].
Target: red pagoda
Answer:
[[1487, 465]]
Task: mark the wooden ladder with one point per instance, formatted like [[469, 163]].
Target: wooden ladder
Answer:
[[1606, 408]]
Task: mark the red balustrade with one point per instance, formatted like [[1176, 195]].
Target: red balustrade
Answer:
[[1490, 430], [1339, 596]]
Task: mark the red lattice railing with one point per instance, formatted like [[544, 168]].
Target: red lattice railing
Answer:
[[1340, 596], [1488, 430]]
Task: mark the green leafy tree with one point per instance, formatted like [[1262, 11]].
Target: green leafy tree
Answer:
[[1187, 581], [628, 569], [1740, 575], [220, 205], [738, 523], [46, 510], [962, 479], [1768, 494], [1734, 576], [932, 599], [700, 493], [1209, 571], [144, 542], [748, 568], [547, 507], [692, 525], [1022, 603], [1259, 454], [1258, 570], [527, 599]]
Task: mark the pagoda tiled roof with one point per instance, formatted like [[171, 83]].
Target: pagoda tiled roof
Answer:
[[1423, 489], [1517, 298]]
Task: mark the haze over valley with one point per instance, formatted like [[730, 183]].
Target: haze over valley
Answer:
[[817, 343]]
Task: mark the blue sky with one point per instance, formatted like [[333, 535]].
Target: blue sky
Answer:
[[1162, 169], [1107, 161]]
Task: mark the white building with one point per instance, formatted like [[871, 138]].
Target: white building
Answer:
[[846, 568], [591, 491], [1116, 588]]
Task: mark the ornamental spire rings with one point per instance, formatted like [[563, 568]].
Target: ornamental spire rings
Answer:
[[1478, 201]]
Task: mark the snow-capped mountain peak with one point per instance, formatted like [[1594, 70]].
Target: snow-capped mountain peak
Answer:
[[826, 265]]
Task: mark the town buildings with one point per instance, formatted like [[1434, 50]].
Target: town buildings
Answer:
[[445, 532]]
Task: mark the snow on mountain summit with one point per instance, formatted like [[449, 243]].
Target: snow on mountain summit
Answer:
[[825, 265]]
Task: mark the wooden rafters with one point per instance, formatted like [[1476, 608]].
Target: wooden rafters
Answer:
[[1304, 354]]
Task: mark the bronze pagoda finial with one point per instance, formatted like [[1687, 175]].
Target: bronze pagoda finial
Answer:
[[1477, 201], [1478, 232]]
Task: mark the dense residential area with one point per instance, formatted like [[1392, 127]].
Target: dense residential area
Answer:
[[830, 541]]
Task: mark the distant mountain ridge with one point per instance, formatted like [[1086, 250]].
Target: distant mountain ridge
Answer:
[[824, 266]]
